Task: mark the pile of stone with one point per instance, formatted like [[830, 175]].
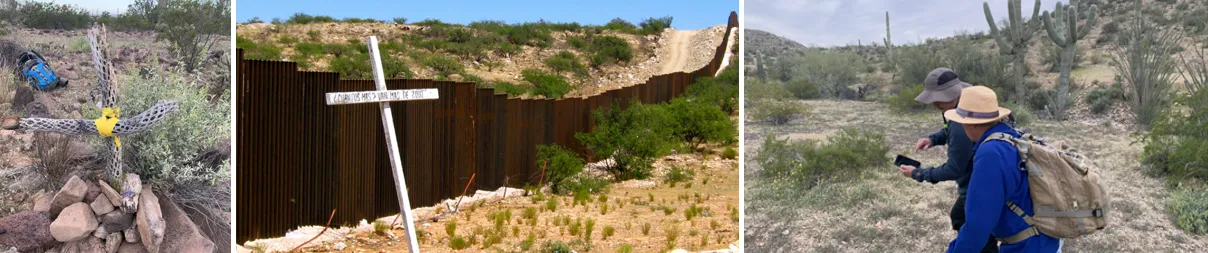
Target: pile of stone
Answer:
[[88, 216]]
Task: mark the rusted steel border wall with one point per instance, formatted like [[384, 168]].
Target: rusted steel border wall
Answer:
[[299, 158]]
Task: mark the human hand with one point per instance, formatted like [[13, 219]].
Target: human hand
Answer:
[[923, 144], [906, 170]]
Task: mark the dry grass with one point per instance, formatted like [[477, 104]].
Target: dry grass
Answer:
[[886, 212]]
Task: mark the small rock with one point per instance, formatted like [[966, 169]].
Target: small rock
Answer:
[[42, 203], [117, 221], [89, 244], [340, 246], [131, 235], [101, 206], [131, 248], [114, 197], [181, 234], [23, 96], [93, 189], [75, 222], [112, 242], [149, 220], [72, 193], [26, 231], [100, 232]]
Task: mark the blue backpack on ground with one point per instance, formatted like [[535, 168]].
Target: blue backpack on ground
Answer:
[[34, 69]]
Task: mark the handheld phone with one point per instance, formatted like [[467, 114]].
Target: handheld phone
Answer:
[[903, 160]]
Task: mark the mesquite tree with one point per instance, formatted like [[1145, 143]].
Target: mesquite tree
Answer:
[[1013, 40], [1066, 37]]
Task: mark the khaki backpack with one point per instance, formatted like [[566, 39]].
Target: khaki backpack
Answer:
[[1068, 197]]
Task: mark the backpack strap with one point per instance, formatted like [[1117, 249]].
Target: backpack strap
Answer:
[[1022, 235], [1020, 144]]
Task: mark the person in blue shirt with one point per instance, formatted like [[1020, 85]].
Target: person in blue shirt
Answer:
[[942, 88], [996, 180]]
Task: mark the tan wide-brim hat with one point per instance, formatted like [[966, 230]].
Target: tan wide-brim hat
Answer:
[[978, 105]]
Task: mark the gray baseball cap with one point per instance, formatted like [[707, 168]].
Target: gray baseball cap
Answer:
[[941, 85]]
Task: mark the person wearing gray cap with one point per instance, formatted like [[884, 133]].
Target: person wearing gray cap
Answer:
[[942, 89]]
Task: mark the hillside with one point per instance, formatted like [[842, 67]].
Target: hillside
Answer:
[[767, 43], [587, 59]]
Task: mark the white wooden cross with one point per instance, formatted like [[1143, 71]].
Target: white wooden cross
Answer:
[[383, 97]]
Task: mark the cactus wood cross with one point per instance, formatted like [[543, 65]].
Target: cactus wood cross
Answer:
[[1067, 39], [1013, 40], [108, 125]]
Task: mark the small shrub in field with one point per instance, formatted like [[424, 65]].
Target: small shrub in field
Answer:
[[655, 25], [556, 246], [904, 100], [574, 228], [559, 163], [645, 228], [588, 228], [803, 89], [192, 27], [729, 153], [45, 15], [565, 61], [303, 18], [696, 123], [846, 155], [673, 232], [509, 88], [552, 204], [443, 66], [758, 91], [720, 91], [1023, 116], [308, 48], [400, 20], [608, 231], [1176, 145], [451, 228], [620, 25], [546, 84], [380, 227], [609, 50], [491, 239], [78, 45], [778, 112], [458, 243], [678, 174], [257, 51], [1189, 209], [634, 137], [625, 248], [583, 183], [576, 42], [1102, 98]]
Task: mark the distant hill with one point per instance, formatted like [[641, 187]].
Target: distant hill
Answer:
[[767, 43]]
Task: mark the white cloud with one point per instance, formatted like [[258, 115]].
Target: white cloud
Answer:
[[839, 22]]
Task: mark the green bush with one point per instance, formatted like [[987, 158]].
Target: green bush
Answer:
[[565, 61], [530, 34], [1023, 116], [45, 15], [620, 25], [257, 51], [192, 27], [729, 153], [400, 20], [582, 184], [546, 84], [609, 50], [778, 112], [720, 91], [1177, 145], [443, 65], [633, 137], [79, 45], [308, 49], [303, 18], [904, 100], [802, 89], [509, 88], [560, 164], [576, 42], [1102, 98], [846, 155], [655, 25], [696, 123], [556, 247], [915, 62], [759, 91], [830, 72], [1189, 207], [678, 174], [458, 243]]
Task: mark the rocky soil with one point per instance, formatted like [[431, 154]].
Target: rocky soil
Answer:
[[887, 212]]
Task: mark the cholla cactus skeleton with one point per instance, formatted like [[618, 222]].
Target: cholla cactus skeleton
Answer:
[[129, 184]]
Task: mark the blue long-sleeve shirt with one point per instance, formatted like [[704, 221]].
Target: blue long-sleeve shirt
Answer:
[[960, 157], [997, 180]]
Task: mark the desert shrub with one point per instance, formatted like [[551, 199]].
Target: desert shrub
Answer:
[[678, 174], [559, 163], [915, 62], [720, 91], [829, 72], [978, 67], [1189, 209], [633, 137], [257, 51], [79, 44], [354, 20], [758, 91], [1177, 145], [655, 25], [530, 34], [509, 88], [904, 100], [458, 243], [587, 229], [556, 246], [473, 50], [46, 15], [551, 204], [608, 231], [620, 25], [845, 155], [1102, 98], [609, 50], [778, 112], [565, 61], [546, 84], [308, 48], [582, 184], [287, 39], [1022, 115], [356, 66], [1111, 28], [303, 18], [254, 20], [696, 123], [191, 27], [443, 65], [399, 20], [432, 45], [625, 248], [576, 42], [802, 89], [729, 153]]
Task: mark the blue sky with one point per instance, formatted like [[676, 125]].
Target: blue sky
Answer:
[[687, 14]]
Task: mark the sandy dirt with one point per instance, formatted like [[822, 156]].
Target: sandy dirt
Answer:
[[886, 212], [677, 52]]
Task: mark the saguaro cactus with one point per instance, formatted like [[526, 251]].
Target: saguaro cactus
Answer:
[[1013, 39], [1067, 38], [763, 76], [888, 44]]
